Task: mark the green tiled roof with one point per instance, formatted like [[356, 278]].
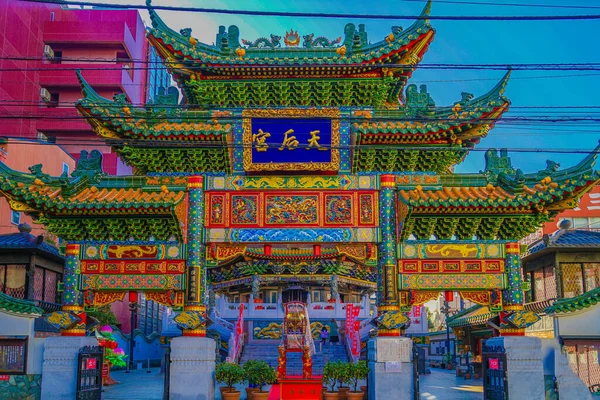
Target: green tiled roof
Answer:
[[578, 303], [15, 306]]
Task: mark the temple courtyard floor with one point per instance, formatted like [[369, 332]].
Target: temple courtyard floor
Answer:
[[439, 385], [444, 385]]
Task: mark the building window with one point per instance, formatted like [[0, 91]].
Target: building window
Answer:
[[572, 280], [592, 276], [45, 284], [65, 168], [12, 280], [15, 217]]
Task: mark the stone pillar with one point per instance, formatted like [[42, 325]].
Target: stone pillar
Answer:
[[72, 296], [387, 267], [512, 296], [59, 370], [524, 367], [333, 287], [192, 368], [193, 317], [256, 286], [391, 374]]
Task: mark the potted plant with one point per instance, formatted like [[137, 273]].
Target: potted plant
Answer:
[[330, 373], [249, 367], [259, 374], [357, 372], [448, 361], [469, 372], [343, 379], [229, 374]]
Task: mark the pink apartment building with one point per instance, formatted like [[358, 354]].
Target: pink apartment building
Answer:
[[40, 48]]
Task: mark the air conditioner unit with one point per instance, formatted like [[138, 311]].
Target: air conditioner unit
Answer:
[[45, 94], [48, 52]]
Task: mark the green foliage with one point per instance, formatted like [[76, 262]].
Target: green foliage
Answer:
[[116, 360], [336, 372], [330, 374], [230, 374], [104, 315], [358, 372], [343, 376], [259, 373], [430, 324]]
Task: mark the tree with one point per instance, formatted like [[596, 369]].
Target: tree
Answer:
[[104, 315], [430, 324]]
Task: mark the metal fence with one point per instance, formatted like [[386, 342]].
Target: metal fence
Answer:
[[417, 359], [89, 373], [495, 383]]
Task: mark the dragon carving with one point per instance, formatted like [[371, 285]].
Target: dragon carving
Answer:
[[321, 41], [263, 42]]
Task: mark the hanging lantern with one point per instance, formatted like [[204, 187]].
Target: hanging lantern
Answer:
[[133, 297], [267, 249], [449, 295]]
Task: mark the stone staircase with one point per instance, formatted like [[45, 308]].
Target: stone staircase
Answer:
[[268, 353]]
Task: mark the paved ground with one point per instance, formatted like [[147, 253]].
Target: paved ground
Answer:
[[439, 385], [138, 385], [444, 385]]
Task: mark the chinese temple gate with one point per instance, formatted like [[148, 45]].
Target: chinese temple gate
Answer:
[[295, 163]]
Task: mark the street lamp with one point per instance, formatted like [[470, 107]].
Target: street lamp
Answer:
[[445, 309]]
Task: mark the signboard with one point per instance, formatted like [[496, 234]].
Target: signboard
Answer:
[[493, 363], [393, 349], [90, 363], [291, 140], [393, 366], [13, 356]]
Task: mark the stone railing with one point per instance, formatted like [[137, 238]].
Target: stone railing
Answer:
[[316, 310]]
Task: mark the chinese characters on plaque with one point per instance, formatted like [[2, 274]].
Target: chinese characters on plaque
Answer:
[[290, 140], [13, 356]]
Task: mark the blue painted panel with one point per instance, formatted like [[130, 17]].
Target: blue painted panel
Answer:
[[299, 149]]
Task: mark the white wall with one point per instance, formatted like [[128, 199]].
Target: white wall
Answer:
[[584, 323], [13, 325]]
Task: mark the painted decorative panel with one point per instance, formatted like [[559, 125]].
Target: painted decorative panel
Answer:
[[451, 281], [132, 267], [244, 209], [451, 250], [266, 330], [216, 207], [320, 235], [291, 209], [368, 206], [145, 251], [450, 266], [338, 209], [133, 282]]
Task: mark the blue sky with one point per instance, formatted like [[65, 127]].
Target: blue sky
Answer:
[[464, 42]]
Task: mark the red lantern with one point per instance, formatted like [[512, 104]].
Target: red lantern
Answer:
[[317, 249], [133, 297], [449, 295], [268, 249]]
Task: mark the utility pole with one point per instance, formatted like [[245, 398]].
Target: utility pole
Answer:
[[133, 309], [446, 311]]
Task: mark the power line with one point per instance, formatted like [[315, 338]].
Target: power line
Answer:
[[481, 3], [328, 15], [180, 144], [436, 66]]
